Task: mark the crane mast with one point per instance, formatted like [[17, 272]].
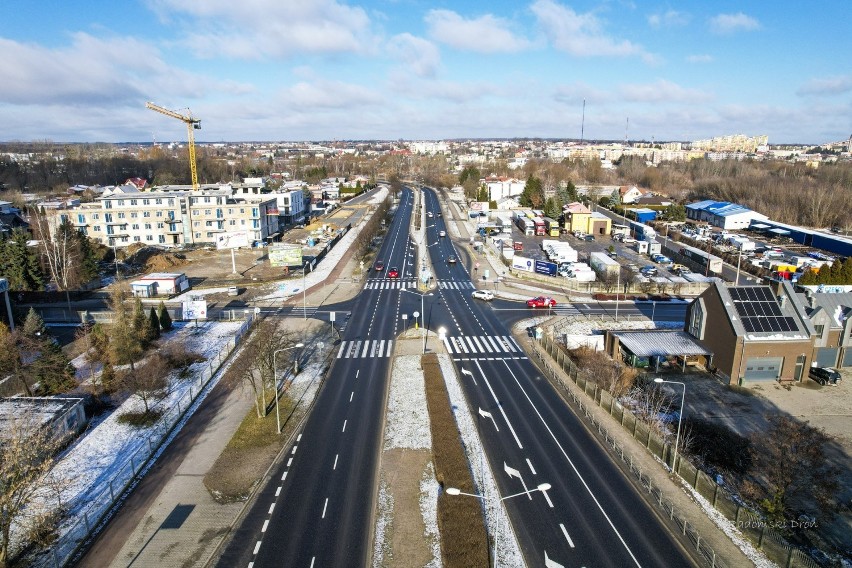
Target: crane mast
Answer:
[[191, 124]]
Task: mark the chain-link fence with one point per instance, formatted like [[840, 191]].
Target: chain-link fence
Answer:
[[555, 361], [98, 506]]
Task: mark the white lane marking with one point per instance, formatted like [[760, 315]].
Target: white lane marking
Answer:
[[251, 564], [284, 476], [324, 507], [568, 538], [289, 462], [335, 461], [447, 344], [500, 406], [472, 348], [342, 347], [515, 343], [256, 547], [485, 343], [265, 526], [299, 438], [381, 348], [493, 344], [294, 450], [278, 491], [548, 563], [271, 508], [532, 469], [390, 347], [344, 426], [351, 395], [478, 344], [509, 343], [574, 467], [547, 498], [358, 372], [313, 558]]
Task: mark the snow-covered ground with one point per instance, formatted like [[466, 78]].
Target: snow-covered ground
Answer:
[[108, 453], [287, 289]]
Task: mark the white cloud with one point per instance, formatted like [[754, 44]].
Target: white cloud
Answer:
[[581, 34], [418, 54], [837, 85], [91, 70], [577, 92], [323, 94], [702, 58], [485, 34], [671, 18], [661, 91], [254, 29], [730, 23]]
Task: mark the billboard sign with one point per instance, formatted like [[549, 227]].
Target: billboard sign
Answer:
[[195, 308], [544, 267], [232, 240], [523, 263], [290, 255], [4, 285]]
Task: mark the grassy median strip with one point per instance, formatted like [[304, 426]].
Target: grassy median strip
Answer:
[[464, 541]]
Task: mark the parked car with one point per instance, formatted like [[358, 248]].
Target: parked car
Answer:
[[233, 291], [393, 273], [589, 238], [648, 271], [483, 295], [442, 234], [825, 375], [379, 266], [541, 302]]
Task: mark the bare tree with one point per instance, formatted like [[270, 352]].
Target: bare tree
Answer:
[[259, 360], [148, 381], [26, 458], [59, 249]]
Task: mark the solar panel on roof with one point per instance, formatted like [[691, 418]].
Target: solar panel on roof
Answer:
[[759, 311]]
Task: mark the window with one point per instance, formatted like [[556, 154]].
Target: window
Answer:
[[121, 203], [160, 225], [243, 222], [148, 226], [162, 238], [206, 200], [255, 223], [255, 212], [219, 213], [819, 329], [149, 237], [171, 202], [135, 226], [109, 230], [171, 214], [136, 239], [133, 202], [96, 215], [197, 235], [96, 228], [146, 202], [209, 235], [146, 214], [134, 215], [230, 211], [233, 222], [108, 204], [196, 223], [121, 214], [159, 213], [207, 211], [81, 218], [108, 217], [158, 201]]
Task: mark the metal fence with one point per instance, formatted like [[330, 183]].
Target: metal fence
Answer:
[[95, 510], [746, 521]]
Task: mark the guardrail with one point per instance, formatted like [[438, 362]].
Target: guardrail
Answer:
[[747, 522]]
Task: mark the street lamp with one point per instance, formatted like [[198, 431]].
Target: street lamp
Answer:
[[679, 417], [422, 314], [275, 378], [304, 290], [455, 491]]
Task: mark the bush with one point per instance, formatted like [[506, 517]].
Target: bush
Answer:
[[178, 357], [718, 446]]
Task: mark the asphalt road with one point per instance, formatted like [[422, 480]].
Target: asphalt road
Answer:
[[592, 515], [316, 510]]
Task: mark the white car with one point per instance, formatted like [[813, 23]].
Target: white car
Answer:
[[483, 295], [442, 234]]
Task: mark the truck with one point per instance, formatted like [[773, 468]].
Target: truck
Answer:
[[505, 223], [641, 231], [526, 225], [540, 227], [582, 275], [604, 265]]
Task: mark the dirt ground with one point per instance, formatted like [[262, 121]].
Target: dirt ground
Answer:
[[745, 410], [403, 469]]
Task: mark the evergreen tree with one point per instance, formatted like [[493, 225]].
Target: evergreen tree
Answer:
[[165, 318], [847, 270], [141, 324], [552, 209], [824, 274], [835, 273], [533, 194], [33, 325], [154, 323], [19, 264], [124, 341], [88, 259]]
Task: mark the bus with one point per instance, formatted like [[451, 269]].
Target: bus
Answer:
[[551, 227]]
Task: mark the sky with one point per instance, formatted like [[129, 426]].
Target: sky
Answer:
[[293, 70]]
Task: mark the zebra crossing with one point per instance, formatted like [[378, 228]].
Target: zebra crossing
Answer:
[[565, 310], [456, 285], [370, 348], [303, 312], [389, 284], [483, 347]]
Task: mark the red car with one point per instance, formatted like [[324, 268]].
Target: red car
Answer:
[[393, 273], [541, 302]]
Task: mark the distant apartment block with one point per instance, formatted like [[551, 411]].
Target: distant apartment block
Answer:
[[733, 143]]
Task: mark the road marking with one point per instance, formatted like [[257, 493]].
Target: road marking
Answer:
[[548, 563], [294, 450], [335, 461], [358, 372], [344, 426], [278, 491], [500, 406], [284, 476], [342, 347], [366, 348], [313, 558], [574, 467], [271, 508], [568, 538], [532, 469], [299, 438], [265, 525], [256, 547], [547, 498], [324, 507], [351, 395], [290, 461]]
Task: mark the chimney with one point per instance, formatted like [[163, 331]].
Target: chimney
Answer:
[[782, 300]]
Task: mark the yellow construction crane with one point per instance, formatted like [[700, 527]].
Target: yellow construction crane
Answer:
[[191, 124]]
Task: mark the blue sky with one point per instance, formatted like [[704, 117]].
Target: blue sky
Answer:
[[328, 69]]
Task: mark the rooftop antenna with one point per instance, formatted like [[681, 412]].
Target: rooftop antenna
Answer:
[[583, 122], [626, 127]]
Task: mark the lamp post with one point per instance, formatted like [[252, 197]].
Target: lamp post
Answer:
[[456, 491], [422, 314], [275, 379], [679, 417], [304, 290]]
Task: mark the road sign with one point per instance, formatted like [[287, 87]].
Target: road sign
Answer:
[[331, 316]]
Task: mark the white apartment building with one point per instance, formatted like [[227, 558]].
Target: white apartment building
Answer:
[[174, 218]]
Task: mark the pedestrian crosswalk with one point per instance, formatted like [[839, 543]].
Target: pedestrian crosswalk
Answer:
[[456, 285], [303, 311], [565, 310], [389, 284], [484, 346], [367, 349]]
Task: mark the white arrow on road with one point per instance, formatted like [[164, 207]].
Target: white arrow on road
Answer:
[[486, 414], [551, 563], [512, 472], [466, 372]]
